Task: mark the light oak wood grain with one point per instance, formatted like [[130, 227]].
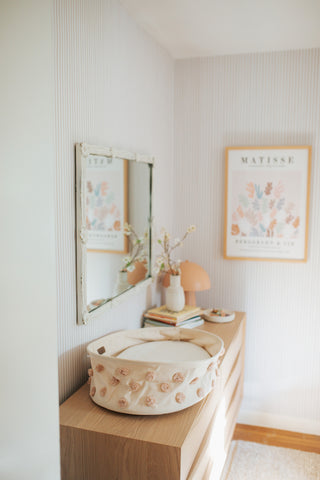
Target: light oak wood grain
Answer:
[[278, 438], [98, 444]]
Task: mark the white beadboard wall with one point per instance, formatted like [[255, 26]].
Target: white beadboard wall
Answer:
[[114, 86], [255, 99]]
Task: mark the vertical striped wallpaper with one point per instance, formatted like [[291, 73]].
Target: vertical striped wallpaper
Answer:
[[114, 87], [254, 99]]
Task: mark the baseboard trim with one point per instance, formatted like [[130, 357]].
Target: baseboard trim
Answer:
[[281, 422], [277, 438]]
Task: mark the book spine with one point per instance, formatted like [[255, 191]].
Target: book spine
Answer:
[[176, 319], [195, 324], [154, 323], [161, 320], [169, 322], [192, 319]]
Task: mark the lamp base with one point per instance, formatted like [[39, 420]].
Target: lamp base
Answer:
[[190, 298]]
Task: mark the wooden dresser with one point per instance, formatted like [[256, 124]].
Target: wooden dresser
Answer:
[[99, 444]]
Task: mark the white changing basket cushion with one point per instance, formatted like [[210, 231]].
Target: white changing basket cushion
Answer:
[[153, 371]]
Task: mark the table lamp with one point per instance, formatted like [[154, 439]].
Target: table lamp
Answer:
[[193, 279]]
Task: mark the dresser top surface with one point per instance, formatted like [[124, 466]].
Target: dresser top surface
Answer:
[[79, 411]]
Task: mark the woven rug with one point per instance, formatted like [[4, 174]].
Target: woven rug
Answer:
[[253, 461]]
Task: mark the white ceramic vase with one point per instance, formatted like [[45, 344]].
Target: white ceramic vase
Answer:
[[175, 295], [121, 283]]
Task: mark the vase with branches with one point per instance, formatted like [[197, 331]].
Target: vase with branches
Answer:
[[164, 261], [137, 256], [175, 299], [137, 248]]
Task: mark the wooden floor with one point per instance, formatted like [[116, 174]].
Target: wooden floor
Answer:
[[277, 438]]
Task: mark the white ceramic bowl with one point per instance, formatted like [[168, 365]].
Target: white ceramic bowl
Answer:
[[211, 317], [153, 371]]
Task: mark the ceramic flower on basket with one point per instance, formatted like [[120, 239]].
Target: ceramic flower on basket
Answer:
[[175, 300]]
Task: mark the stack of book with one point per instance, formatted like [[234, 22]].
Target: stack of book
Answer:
[[189, 317]]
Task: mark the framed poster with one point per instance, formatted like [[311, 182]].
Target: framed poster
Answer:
[[106, 203], [267, 203]]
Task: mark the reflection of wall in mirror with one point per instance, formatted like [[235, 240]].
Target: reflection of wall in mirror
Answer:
[[103, 267], [139, 209], [102, 271], [138, 199]]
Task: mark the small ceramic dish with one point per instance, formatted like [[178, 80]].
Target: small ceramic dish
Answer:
[[218, 315]]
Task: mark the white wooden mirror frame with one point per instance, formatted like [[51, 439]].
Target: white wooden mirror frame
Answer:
[[82, 152]]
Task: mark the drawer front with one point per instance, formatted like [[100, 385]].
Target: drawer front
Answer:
[[211, 455]]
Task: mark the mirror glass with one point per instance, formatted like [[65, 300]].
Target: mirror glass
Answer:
[[116, 209]]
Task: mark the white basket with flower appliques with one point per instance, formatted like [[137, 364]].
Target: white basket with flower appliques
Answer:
[[153, 371]]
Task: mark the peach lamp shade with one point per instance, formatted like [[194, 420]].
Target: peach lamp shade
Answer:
[[193, 279]]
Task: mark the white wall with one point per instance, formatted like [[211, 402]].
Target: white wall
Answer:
[[258, 99], [29, 433], [114, 86]]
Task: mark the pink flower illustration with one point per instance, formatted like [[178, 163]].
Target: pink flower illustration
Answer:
[[235, 230], [250, 189], [99, 367], [178, 377], [273, 213], [240, 212], [123, 371], [180, 397], [89, 380], [90, 372], [93, 391], [279, 189], [150, 401]]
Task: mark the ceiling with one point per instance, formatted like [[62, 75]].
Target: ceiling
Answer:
[[197, 28]]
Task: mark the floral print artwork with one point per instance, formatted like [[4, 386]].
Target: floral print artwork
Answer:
[[105, 203], [264, 210], [267, 203]]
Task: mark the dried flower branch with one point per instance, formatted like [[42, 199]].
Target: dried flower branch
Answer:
[[137, 248], [164, 261]]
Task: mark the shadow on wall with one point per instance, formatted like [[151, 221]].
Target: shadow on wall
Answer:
[[74, 358]]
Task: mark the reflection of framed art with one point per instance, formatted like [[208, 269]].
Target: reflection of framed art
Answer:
[[267, 203], [106, 203]]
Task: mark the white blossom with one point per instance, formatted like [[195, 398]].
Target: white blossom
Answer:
[[165, 260]]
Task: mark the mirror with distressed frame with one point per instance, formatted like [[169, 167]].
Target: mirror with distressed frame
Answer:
[[114, 212]]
